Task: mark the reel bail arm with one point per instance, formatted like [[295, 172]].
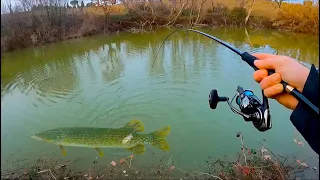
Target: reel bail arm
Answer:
[[251, 108]]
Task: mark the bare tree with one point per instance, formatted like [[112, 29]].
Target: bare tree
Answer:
[[222, 11], [279, 2], [26, 5], [200, 10], [250, 10], [182, 7], [8, 5]]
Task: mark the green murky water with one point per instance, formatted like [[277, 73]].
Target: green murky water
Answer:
[[105, 81]]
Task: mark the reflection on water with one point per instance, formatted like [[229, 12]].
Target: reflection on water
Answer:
[[56, 67], [104, 81]]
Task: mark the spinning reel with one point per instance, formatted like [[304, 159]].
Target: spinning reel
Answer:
[[251, 108]]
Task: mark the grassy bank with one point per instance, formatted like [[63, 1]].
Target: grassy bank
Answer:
[[256, 164], [52, 20]]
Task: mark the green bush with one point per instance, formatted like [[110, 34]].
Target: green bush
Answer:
[[186, 12], [237, 16]]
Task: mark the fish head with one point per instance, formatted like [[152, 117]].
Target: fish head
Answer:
[[41, 137]]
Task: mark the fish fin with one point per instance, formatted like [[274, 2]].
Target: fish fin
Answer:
[[63, 150], [159, 138], [136, 125], [138, 149], [99, 151]]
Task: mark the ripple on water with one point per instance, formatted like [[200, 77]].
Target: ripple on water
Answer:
[[95, 90], [121, 106], [10, 86], [61, 94], [53, 96], [139, 101]]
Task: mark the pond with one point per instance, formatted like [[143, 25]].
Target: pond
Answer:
[[106, 81]]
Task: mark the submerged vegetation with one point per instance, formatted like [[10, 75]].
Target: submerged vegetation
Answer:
[[259, 164], [36, 22]]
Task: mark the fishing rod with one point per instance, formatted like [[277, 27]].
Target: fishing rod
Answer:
[[251, 108]]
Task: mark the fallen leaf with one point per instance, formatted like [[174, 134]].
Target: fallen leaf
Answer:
[[298, 161], [263, 150], [267, 157], [113, 163], [122, 161], [304, 164], [300, 143], [171, 168], [245, 170]]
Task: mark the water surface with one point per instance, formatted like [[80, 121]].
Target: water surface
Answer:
[[105, 81]]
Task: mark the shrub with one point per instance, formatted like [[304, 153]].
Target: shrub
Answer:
[[117, 9], [186, 12], [237, 16], [298, 17]]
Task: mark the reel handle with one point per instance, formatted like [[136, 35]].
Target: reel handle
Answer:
[[214, 99]]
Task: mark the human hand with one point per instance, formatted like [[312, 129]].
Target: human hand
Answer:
[[286, 69]]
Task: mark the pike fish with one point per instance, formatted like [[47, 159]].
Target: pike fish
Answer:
[[126, 137]]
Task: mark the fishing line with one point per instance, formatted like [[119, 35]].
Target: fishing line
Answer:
[[169, 35], [248, 58], [199, 32], [154, 60]]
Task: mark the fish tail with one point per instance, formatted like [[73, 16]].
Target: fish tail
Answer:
[[159, 138]]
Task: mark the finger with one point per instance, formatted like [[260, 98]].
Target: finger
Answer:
[[264, 55], [270, 80], [287, 100], [268, 63], [272, 91], [259, 75]]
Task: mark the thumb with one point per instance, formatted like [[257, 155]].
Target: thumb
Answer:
[[269, 63]]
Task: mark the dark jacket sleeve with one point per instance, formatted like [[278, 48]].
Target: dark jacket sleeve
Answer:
[[305, 119]]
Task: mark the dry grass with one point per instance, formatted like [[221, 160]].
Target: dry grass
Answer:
[[253, 164], [45, 168], [33, 28], [256, 164], [298, 17], [261, 7], [114, 10]]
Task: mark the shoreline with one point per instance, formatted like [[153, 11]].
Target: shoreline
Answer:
[[57, 23], [137, 30], [248, 163]]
